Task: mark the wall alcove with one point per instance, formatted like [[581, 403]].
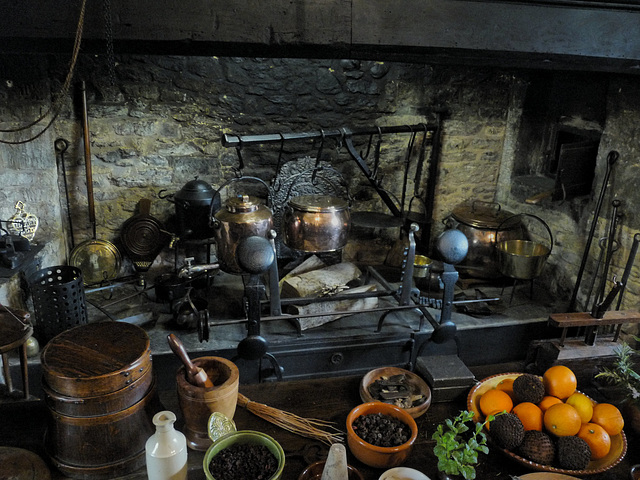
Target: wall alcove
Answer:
[[563, 117]]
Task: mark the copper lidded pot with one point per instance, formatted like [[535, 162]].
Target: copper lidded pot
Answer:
[[481, 222], [316, 223]]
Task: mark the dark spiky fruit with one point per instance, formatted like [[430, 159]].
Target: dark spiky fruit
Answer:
[[538, 447], [507, 431], [528, 388], [572, 453]]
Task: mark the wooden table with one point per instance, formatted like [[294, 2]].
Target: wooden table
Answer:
[[327, 399], [332, 399]]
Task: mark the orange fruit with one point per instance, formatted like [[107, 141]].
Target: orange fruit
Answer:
[[597, 438], [493, 401], [559, 381], [582, 404], [608, 417], [506, 385], [530, 415], [562, 420], [547, 401]]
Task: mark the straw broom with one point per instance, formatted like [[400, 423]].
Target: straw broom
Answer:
[[306, 427]]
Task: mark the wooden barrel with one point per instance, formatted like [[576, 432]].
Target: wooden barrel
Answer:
[[100, 392]]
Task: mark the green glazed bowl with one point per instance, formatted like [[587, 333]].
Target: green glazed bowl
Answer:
[[239, 437]]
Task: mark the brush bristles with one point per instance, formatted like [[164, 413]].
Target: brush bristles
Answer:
[[306, 427]]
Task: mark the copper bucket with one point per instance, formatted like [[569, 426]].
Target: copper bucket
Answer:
[[523, 259]]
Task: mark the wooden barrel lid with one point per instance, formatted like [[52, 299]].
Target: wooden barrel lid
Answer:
[[20, 464], [96, 358]]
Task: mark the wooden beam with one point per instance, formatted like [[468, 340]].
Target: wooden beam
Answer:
[[547, 34]]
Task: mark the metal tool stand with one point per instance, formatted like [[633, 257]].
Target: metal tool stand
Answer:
[[256, 255]]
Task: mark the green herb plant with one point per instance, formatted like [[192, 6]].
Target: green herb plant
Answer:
[[458, 445], [623, 374]]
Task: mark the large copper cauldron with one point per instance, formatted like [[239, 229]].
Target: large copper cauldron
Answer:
[[316, 223], [481, 222]]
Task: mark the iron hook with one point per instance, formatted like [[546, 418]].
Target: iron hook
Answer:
[[318, 157]]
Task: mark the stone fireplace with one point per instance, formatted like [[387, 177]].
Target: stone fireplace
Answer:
[[160, 125]]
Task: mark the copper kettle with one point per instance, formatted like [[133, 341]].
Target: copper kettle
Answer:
[[242, 216]]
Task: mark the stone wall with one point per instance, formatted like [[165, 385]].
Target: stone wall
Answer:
[[160, 124]]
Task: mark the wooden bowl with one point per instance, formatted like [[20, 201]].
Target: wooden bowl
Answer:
[[615, 455], [415, 382], [373, 455]]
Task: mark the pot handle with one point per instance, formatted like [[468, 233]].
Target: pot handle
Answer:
[[238, 179], [527, 215], [315, 173], [424, 207], [168, 196], [473, 205]]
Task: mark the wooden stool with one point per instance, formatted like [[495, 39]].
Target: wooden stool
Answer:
[[14, 333]]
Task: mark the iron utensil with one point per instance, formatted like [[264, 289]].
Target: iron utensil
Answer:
[[625, 278], [629, 265], [612, 157], [610, 249], [61, 146]]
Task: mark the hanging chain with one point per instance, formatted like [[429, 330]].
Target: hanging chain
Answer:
[[108, 33]]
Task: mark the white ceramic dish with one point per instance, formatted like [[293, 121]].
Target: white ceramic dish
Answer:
[[403, 473]]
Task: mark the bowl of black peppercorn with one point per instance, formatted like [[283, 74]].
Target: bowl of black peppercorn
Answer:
[[381, 435]]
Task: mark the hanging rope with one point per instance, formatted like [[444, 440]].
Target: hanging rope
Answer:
[[59, 98]]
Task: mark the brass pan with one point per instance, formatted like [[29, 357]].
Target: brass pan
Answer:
[[99, 260]]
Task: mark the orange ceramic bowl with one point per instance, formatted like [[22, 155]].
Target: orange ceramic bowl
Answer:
[[372, 455]]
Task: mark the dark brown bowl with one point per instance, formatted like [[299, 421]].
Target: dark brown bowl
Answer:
[[416, 383], [314, 472]]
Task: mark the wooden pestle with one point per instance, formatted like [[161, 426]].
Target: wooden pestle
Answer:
[[195, 374]]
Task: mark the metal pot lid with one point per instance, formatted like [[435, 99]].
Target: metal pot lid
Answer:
[[243, 204], [485, 215], [196, 190], [318, 203]]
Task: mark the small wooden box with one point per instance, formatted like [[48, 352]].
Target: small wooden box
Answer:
[[447, 375]]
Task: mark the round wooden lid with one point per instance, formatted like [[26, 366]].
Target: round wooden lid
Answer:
[[96, 358], [20, 464]]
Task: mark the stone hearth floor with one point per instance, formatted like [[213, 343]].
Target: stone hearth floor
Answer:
[[228, 328], [509, 323]]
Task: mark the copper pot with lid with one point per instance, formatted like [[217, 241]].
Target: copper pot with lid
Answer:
[[316, 223], [242, 216], [481, 222]]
